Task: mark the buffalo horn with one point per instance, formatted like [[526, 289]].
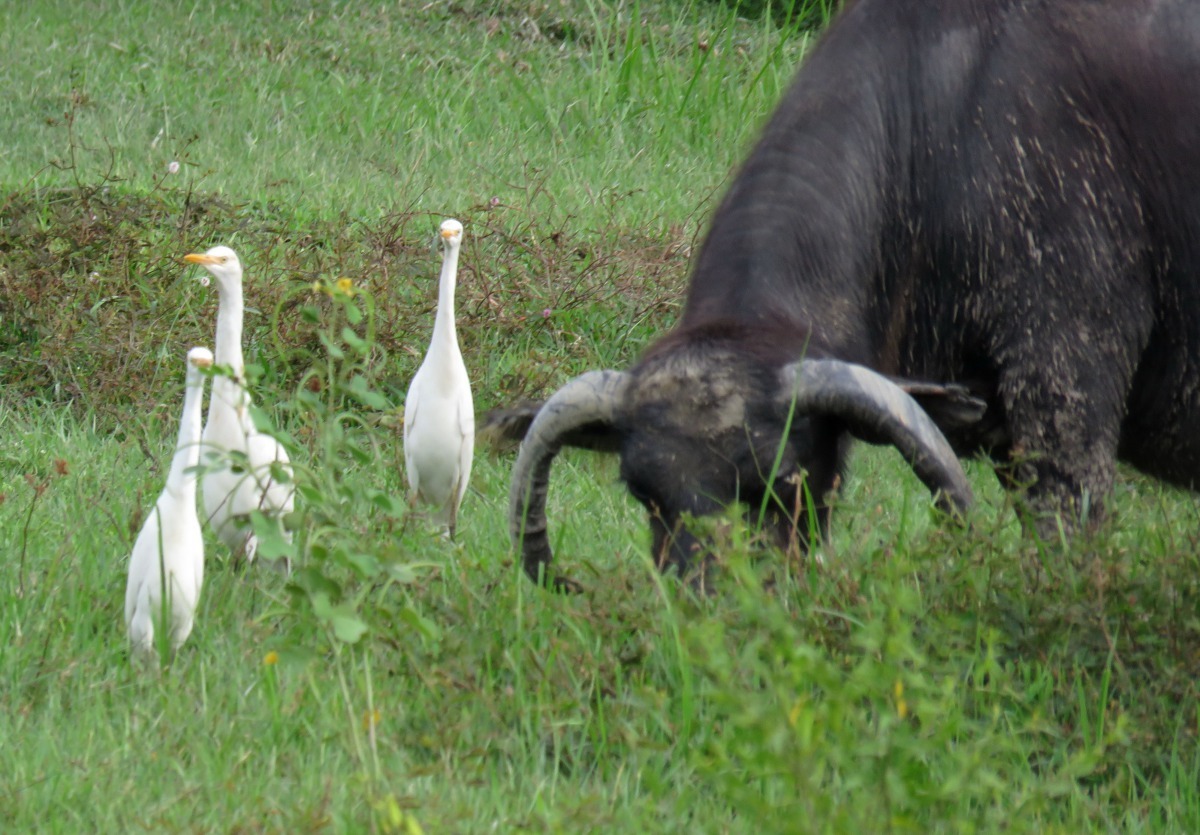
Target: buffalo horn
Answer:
[[591, 398], [879, 411]]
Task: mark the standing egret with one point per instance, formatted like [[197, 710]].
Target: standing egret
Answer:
[[439, 415], [244, 480], [166, 568]]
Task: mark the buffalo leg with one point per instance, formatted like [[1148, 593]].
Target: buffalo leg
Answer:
[[1064, 420]]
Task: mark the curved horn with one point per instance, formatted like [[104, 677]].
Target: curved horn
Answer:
[[882, 412], [591, 398]]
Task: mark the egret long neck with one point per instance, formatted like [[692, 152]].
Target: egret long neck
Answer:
[[187, 449], [229, 329], [445, 332], [227, 392]]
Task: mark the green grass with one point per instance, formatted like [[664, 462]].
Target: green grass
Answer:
[[353, 109], [918, 678]]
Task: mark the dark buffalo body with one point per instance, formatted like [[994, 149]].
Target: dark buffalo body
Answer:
[[998, 194]]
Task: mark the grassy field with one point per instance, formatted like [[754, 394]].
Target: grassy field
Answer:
[[918, 677]]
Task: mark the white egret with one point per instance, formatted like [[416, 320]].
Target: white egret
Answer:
[[166, 569], [439, 415], [243, 481]]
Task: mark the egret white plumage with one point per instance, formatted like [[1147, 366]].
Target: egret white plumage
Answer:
[[243, 480], [439, 414], [166, 568]]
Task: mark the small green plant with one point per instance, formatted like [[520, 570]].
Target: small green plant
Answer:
[[868, 728], [347, 527]]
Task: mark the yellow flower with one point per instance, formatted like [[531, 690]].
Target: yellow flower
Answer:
[[271, 658], [794, 713], [318, 286], [371, 718], [345, 286], [901, 704]]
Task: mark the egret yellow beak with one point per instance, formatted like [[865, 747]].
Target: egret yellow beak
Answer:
[[193, 258], [447, 233], [202, 362]]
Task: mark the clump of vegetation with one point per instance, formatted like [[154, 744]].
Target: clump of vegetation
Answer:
[[97, 301]]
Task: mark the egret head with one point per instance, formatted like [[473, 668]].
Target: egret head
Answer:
[[200, 358], [452, 232], [222, 262]]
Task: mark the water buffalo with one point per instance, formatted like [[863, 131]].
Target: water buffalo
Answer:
[[1001, 197]]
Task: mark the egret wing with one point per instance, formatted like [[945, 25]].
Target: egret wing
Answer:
[[411, 410]]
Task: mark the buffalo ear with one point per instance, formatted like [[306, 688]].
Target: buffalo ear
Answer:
[[504, 429], [951, 405], [877, 410]]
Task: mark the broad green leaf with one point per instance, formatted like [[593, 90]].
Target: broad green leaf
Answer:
[[365, 564], [401, 572], [369, 398], [331, 348], [356, 342], [271, 542], [388, 503], [347, 627], [420, 623]]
